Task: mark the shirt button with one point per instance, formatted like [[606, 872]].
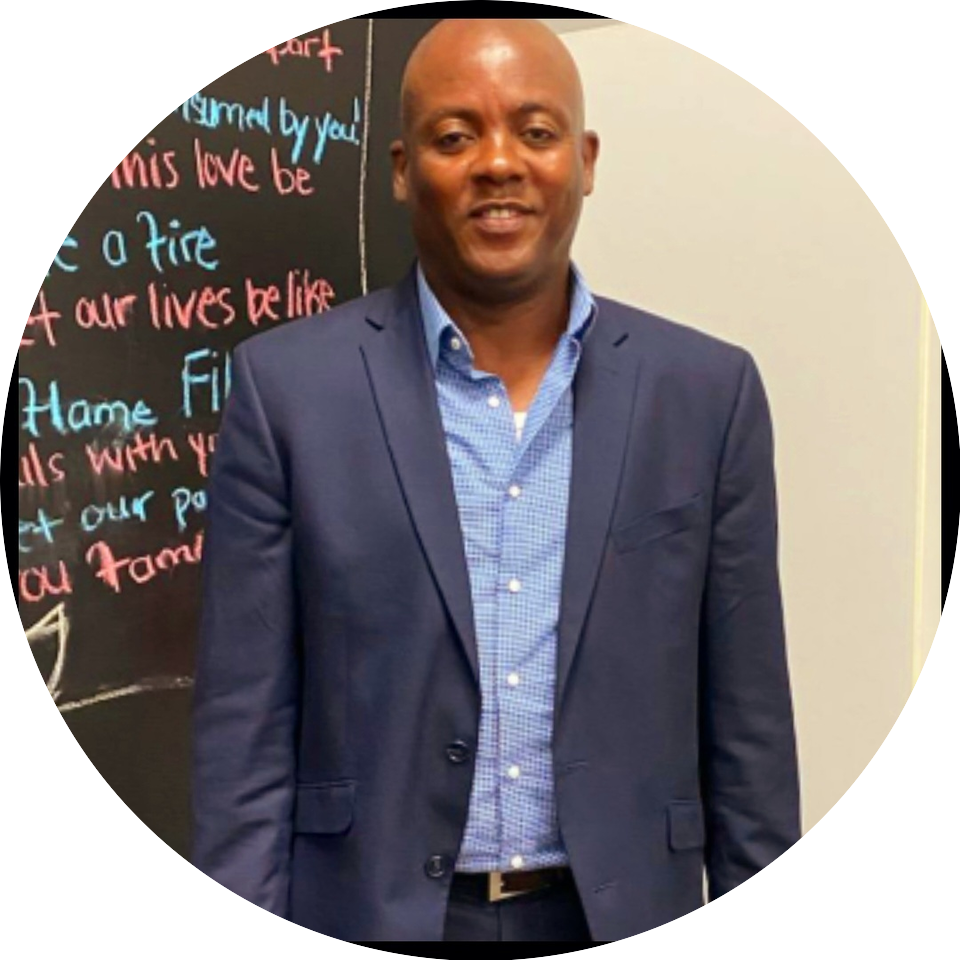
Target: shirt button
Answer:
[[458, 752], [514, 773], [517, 863], [436, 867], [514, 586], [515, 492], [494, 403], [456, 344], [514, 679]]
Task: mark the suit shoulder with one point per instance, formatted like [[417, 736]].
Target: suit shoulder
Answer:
[[677, 345], [337, 327]]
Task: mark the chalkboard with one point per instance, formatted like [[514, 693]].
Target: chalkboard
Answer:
[[262, 199]]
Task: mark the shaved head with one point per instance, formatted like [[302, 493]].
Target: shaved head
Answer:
[[452, 43]]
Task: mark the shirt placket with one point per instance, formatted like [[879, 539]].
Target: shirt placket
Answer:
[[514, 627], [492, 440], [514, 599], [521, 601]]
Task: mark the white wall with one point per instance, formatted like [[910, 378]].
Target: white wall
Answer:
[[584, 23], [714, 207]]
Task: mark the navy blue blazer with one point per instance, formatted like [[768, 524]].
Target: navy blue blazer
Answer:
[[337, 663]]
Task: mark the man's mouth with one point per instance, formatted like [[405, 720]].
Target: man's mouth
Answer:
[[501, 218], [500, 211]]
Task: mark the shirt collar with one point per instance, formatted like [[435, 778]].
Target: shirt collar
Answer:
[[436, 320]]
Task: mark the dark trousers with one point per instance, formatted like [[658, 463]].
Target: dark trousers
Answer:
[[553, 913]]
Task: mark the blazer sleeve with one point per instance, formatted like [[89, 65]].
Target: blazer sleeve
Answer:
[[245, 706], [749, 775]]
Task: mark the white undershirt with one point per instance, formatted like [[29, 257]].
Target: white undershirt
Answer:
[[520, 419]]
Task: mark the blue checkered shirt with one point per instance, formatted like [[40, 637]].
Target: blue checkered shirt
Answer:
[[512, 492]]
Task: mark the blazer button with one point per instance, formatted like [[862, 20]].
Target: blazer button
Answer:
[[436, 867], [458, 752]]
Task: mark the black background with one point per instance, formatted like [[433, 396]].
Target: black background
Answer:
[[145, 634]]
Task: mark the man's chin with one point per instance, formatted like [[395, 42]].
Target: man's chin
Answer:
[[503, 285], [487, 278], [506, 272]]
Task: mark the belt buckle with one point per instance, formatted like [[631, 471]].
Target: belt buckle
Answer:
[[495, 891]]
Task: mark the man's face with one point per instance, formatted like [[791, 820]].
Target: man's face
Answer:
[[494, 164]]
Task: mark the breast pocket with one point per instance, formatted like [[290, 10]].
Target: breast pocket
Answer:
[[659, 524], [325, 808]]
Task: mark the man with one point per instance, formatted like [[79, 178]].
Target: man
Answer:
[[492, 639]]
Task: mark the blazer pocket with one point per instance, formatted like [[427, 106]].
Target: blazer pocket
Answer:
[[685, 824], [660, 523], [324, 807]]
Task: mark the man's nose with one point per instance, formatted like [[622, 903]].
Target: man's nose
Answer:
[[499, 158]]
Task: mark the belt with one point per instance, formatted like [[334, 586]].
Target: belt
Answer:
[[503, 886]]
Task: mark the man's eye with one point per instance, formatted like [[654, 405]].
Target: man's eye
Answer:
[[451, 140], [539, 134]]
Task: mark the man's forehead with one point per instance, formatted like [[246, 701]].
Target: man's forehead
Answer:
[[454, 44], [454, 68]]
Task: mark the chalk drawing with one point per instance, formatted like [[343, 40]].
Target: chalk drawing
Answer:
[[151, 685], [53, 626], [364, 154]]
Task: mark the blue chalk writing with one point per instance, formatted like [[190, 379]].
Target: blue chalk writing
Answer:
[[185, 502], [114, 248], [61, 262], [50, 411], [209, 112], [173, 246], [42, 527], [324, 128], [206, 371], [317, 129], [94, 515]]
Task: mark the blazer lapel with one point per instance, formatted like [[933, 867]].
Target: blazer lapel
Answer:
[[405, 392], [604, 391]]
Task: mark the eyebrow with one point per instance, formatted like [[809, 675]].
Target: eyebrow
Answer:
[[467, 113]]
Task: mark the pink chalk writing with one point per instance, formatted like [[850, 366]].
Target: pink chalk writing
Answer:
[[35, 584], [306, 295], [207, 307], [39, 472], [105, 312], [309, 48], [289, 180], [43, 317], [147, 169], [203, 445], [301, 295], [130, 457], [117, 572], [237, 170]]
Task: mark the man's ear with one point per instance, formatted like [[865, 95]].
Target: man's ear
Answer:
[[398, 156], [591, 150]]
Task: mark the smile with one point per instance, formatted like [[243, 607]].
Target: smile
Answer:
[[500, 220], [501, 213]]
